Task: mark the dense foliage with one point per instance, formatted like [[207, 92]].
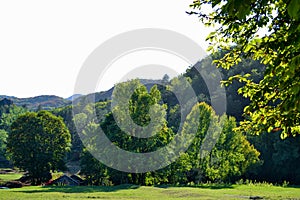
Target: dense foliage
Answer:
[[233, 156], [37, 143], [8, 113], [232, 151], [280, 158], [223, 156], [268, 31]]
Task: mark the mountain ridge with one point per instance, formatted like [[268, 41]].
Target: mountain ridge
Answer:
[[46, 102]]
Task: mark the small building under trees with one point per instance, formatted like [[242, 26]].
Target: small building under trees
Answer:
[[66, 180]]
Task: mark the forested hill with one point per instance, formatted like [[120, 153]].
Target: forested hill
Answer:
[[46, 102], [235, 102]]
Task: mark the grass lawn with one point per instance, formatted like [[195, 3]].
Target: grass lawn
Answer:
[[10, 176], [136, 192]]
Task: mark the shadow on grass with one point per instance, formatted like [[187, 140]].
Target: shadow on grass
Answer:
[[92, 189], [204, 186], [293, 186], [81, 189]]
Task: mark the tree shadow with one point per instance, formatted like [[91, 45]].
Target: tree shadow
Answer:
[[204, 186], [214, 186], [293, 186], [81, 189]]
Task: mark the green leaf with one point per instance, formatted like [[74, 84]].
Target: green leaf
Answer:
[[295, 63], [216, 2], [270, 129], [294, 9]]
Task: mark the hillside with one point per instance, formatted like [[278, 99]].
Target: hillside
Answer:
[[49, 102], [46, 102], [73, 97]]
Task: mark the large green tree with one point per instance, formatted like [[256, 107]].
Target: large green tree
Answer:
[[265, 30], [217, 153], [141, 109], [38, 143]]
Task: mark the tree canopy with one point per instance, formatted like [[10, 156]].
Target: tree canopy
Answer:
[[38, 143], [232, 151], [268, 31], [8, 113]]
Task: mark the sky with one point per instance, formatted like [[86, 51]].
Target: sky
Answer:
[[43, 43]]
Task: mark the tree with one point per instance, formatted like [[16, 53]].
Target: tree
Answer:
[[38, 143], [231, 155], [3, 139], [95, 172], [275, 102], [235, 102], [280, 158], [8, 113], [135, 111]]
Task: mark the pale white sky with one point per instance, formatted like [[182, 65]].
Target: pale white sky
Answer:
[[43, 43]]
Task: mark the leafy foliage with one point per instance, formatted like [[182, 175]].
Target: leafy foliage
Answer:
[[3, 139], [8, 113], [235, 102], [275, 102], [218, 155], [38, 143], [139, 109], [233, 152], [280, 158]]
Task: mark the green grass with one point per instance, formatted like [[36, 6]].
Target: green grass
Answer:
[[10, 177], [124, 192]]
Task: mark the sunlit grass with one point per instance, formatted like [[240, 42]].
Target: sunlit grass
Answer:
[[10, 177], [124, 192]]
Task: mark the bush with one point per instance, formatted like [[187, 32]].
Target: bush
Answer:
[[13, 184]]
